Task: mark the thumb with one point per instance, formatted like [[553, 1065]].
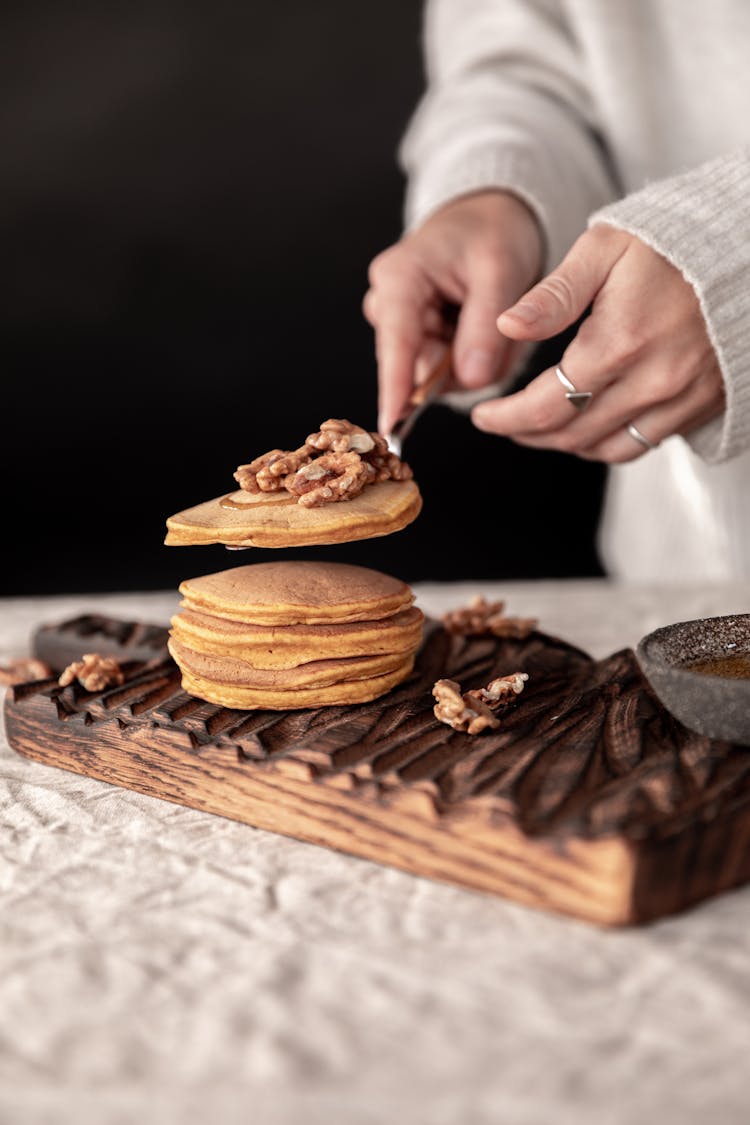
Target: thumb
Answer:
[[562, 296]]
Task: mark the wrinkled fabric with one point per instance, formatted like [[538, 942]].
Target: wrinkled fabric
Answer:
[[164, 965]]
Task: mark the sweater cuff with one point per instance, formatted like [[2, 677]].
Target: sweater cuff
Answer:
[[700, 222]]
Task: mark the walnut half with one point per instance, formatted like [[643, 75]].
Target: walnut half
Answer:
[[268, 472], [24, 670], [94, 672], [338, 435], [475, 711], [481, 618], [334, 476]]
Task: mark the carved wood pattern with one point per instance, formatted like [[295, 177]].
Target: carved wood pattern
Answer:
[[588, 756]]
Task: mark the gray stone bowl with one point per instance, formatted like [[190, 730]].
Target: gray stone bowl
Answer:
[[716, 706]]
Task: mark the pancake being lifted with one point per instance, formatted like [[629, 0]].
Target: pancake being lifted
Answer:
[[342, 484], [289, 635]]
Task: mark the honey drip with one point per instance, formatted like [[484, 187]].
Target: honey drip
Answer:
[[228, 501]]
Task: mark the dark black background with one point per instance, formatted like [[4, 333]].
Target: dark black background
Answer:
[[191, 194]]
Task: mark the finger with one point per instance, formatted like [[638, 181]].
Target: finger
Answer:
[[479, 349], [429, 357], [400, 308], [632, 393], [436, 321], [542, 406], [613, 404], [681, 415], [369, 306], [559, 299]]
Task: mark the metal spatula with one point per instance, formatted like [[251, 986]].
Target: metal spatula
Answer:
[[419, 400]]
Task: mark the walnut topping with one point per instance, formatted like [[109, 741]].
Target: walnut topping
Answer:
[[388, 466], [23, 671], [335, 463], [334, 476], [482, 618], [94, 672], [475, 711], [267, 472], [339, 436]]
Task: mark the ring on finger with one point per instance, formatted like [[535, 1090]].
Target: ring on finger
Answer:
[[636, 434], [576, 398]]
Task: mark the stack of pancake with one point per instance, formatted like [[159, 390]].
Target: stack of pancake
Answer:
[[289, 635]]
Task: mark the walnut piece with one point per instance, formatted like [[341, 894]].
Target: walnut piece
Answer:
[[388, 466], [460, 712], [94, 672], [334, 476], [501, 691], [317, 473], [267, 472], [481, 618], [25, 670], [337, 435], [475, 711]]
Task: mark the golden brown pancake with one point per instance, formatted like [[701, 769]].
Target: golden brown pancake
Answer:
[[291, 593], [253, 699], [287, 646], [228, 671], [275, 519], [294, 634]]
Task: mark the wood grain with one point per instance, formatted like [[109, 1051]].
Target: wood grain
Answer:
[[590, 799]]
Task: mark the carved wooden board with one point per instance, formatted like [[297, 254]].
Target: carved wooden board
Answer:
[[590, 800]]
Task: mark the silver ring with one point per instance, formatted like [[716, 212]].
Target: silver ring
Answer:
[[639, 437], [578, 399]]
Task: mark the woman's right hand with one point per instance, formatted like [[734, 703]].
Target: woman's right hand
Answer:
[[474, 257]]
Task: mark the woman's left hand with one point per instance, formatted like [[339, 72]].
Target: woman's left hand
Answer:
[[643, 353]]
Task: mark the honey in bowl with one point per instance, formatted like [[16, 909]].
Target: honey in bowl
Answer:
[[700, 671], [731, 666]]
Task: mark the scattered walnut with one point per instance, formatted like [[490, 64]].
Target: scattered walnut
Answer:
[[460, 712], [501, 691], [25, 670], [93, 672], [324, 483], [474, 711], [515, 628], [482, 618]]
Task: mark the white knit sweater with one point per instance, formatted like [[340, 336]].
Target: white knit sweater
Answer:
[[634, 113]]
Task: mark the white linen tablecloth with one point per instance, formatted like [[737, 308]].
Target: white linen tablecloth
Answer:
[[163, 965]]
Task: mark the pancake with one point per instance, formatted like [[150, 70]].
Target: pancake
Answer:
[[230, 672], [291, 593], [253, 699], [287, 646], [288, 635], [275, 519]]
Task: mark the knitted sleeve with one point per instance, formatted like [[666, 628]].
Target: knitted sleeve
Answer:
[[506, 107], [700, 221]]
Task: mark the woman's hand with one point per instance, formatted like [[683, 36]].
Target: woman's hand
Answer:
[[448, 280], [643, 353]]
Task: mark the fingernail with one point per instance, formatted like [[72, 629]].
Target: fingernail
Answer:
[[524, 311], [478, 367]]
